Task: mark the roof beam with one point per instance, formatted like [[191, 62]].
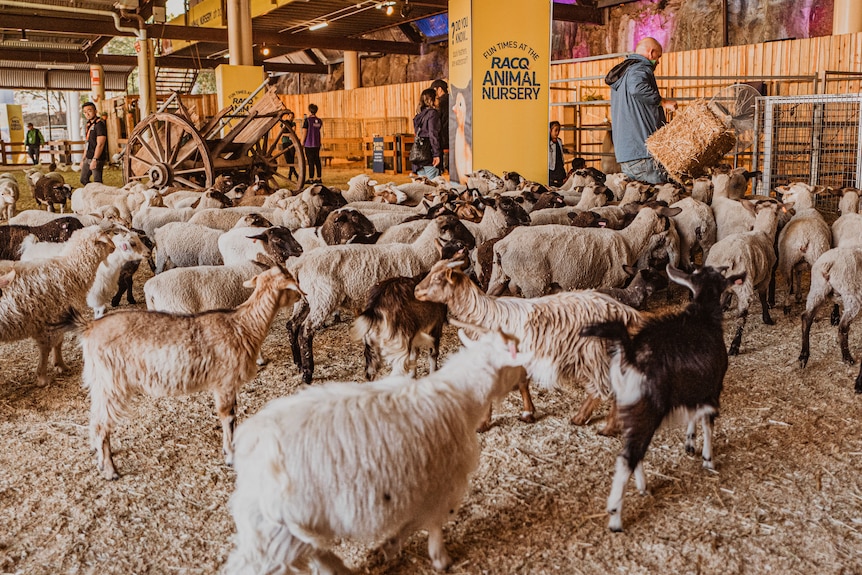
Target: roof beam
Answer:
[[104, 27], [577, 13], [59, 57]]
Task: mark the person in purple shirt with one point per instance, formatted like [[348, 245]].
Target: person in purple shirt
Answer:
[[311, 132]]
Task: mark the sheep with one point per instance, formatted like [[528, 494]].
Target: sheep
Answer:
[[702, 189], [127, 352], [42, 291], [342, 226], [546, 327], [128, 200], [409, 447], [394, 324], [802, 240], [751, 252], [512, 180], [48, 192], [339, 277], [227, 218], [235, 247], [835, 274], [417, 191], [182, 245], [636, 193], [9, 195], [360, 188], [696, 226], [150, 218], [668, 193], [485, 181], [125, 282], [201, 288], [12, 236], [617, 183], [644, 282], [523, 262], [41, 217], [560, 217], [594, 197], [388, 193], [197, 200], [847, 229], [674, 365]]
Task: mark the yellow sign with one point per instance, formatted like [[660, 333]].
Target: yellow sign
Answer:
[[511, 63], [12, 129], [236, 83]]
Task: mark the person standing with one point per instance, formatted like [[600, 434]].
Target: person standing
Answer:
[[441, 89], [637, 110], [556, 162], [287, 146], [34, 141], [312, 130], [96, 153], [426, 124]]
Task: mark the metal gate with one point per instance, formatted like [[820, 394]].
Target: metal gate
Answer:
[[814, 139]]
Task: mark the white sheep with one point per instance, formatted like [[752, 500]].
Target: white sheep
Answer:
[[9, 194], [360, 188], [753, 253], [802, 240], [42, 291], [408, 447], [159, 354], [531, 259], [183, 244], [226, 218], [547, 328], [695, 225], [847, 229], [150, 218]]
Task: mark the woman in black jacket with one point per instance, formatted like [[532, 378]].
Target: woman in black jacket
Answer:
[[426, 124]]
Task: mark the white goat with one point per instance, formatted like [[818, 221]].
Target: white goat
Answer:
[[408, 446]]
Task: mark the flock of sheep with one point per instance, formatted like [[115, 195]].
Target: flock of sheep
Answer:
[[547, 285]]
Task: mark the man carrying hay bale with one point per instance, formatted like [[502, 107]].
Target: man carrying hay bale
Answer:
[[637, 110]]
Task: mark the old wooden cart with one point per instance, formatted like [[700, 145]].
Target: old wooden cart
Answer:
[[244, 140]]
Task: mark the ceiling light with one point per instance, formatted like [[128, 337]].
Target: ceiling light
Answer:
[[389, 10], [265, 50], [24, 35], [318, 26]]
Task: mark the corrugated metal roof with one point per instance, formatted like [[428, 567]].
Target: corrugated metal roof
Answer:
[[28, 78]]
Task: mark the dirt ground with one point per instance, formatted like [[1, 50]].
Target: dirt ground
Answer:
[[786, 497]]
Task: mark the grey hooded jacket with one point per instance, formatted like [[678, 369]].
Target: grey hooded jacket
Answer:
[[636, 110]]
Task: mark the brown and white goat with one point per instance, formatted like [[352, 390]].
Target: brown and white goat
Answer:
[[127, 352]]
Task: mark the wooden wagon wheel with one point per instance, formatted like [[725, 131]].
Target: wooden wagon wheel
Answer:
[[278, 157], [166, 150]]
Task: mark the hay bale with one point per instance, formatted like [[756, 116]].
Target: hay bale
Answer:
[[696, 139]]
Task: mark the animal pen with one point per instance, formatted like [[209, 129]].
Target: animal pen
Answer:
[[813, 139]]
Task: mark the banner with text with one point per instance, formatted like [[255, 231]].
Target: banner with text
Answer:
[[511, 64], [460, 90]]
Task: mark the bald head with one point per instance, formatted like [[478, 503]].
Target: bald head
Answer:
[[649, 48]]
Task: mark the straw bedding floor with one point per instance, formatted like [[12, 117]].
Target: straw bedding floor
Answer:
[[786, 498]]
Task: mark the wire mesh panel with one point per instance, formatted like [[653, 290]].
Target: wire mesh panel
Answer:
[[813, 139]]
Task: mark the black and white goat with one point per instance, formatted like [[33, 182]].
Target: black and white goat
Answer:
[[674, 365]]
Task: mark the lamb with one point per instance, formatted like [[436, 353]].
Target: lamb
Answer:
[[128, 200], [644, 282], [617, 183], [835, 274], [751, 252], [674, 364], [389, 193], [395, 324], [546, 327], [150, 218], [696, 226], [12, 236], [241, 245], [125, 282], [182, 245], [802, 240], [290, 503], [41, 217], [48, 192], [523, 263], [594, 197], [227, 218], [9, 194], [636, 193], [702, 189], [197, 200], [42, 292], [339, 277], [201, 288], [847, 229], [360, 188], [126, 352]]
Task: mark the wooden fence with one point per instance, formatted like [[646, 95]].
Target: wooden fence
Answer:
[[58, 151]]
